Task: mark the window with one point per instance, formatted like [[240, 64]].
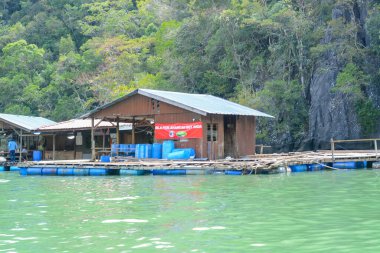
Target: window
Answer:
[[212, 132]]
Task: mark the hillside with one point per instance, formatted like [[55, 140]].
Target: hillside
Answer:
[[314, 65]]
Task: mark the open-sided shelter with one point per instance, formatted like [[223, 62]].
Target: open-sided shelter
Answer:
[[71, 139], [214, 127], [20, 128]]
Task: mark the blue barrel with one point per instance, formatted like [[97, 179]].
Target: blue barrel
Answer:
[[129, 172], [114, 149], [23, 171], [189, 151], [142, 151], [49, 171], [157, 150], [131, 149], [81, 172], [33, 171], [123, 148], [98, 172], [179, 155], [37, 155], [314, 167], [137, 151], [298, 168], [105, 159], [14, 168], [2, 168], [345, 165], [65, 171], [148, 151], [169, 172], [167, 147], [233, 172]]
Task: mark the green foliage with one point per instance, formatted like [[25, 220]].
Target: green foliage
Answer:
[[60, 58]]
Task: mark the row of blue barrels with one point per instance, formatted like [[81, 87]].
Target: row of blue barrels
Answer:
[[9, 168], [123, 149], [51, 171], [336, 165]]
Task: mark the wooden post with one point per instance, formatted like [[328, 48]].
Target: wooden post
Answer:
[[332, 149], [75, 145], [375, 142], [117, 131], [133, 131], [20, 148], [93, 155], [53, 146], [262, 149]]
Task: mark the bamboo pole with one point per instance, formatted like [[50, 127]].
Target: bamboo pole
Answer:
[[332, 149]]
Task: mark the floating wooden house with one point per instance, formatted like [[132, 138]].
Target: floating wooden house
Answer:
[[214, 127]]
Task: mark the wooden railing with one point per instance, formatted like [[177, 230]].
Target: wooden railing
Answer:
[[261, 146], [333, 142]]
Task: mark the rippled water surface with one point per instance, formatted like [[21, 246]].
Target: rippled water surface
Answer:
[[305, 212]]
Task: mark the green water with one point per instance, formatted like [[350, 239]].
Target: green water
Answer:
[[304, 212]]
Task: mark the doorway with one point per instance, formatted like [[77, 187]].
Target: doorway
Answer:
[[230, 135]]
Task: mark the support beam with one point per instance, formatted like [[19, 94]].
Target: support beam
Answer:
[[133, 131], [53, 146], [20, 148], [332, 149], [117, 131], [93, 155]]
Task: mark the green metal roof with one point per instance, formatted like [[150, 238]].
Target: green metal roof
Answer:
[[198, 103], [27, 123]]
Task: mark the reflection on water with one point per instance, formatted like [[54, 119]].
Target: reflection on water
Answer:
[[305, 212]]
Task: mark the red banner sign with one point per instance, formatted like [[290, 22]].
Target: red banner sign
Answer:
[[178, 130]]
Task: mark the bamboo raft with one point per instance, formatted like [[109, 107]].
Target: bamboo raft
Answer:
[[254, 164]]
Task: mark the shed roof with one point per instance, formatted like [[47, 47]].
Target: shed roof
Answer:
[[27, 123], [199, 103], [80, 124]]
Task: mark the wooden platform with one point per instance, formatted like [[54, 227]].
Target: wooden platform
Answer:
[[249, 164]]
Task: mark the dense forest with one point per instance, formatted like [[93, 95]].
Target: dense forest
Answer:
[[314, 65]]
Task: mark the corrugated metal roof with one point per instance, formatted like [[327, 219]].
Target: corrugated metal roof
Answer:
[[81, 124], [199, 103], [202, 104], [28, 123]]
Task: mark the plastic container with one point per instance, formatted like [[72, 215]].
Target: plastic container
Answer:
[[81, 172], [169, 172], [33, 171], [142, 151], [157, 150], [128, 172], [189, 152], [167, 147], [298, 168], [65, 171], [131, 149], [179, 155], [49, 171], [147, 150], [348, 165], [98, 172], [2, 168], [137, 151], [115, 149], [37, 155], [123, 149], [314, 167], [233, 172], [105, 159], [23, 171], [14, 168]]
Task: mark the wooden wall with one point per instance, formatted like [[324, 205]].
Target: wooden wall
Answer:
[[246, 135]]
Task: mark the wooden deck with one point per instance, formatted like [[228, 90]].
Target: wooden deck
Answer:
[[250, 164]]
